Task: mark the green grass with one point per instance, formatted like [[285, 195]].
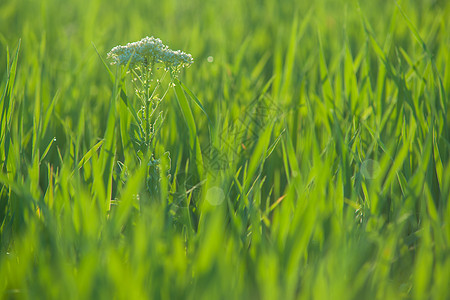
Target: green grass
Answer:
[[309, 160]]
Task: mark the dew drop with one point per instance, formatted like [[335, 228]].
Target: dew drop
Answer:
[[215, 195]]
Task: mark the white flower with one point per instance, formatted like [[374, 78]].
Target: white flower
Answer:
[[176, 58], [148, 50]]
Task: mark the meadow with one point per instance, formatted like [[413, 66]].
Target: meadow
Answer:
[[305, 154]]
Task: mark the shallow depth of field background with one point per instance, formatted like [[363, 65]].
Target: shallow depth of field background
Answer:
[[324, 167]]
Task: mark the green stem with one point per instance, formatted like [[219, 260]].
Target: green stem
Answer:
[[147, 104]]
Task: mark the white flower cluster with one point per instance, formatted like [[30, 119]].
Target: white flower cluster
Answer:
[[148, 50]]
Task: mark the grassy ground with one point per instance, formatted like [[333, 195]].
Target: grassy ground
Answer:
[[310, 159]]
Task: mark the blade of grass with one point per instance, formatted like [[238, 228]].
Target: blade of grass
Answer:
[[189, 119]]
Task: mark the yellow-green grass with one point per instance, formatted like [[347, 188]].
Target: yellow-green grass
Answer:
[[309, 152]]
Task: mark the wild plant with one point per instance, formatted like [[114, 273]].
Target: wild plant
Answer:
[[149, 62]]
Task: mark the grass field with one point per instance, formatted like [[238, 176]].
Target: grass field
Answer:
[[305, 154]]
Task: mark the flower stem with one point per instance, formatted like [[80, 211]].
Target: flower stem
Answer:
[[148, 74]]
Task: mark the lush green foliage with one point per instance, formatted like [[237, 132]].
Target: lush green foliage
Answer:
[[309, 152]]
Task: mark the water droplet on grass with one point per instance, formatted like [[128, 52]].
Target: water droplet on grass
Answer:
[[215, 195]]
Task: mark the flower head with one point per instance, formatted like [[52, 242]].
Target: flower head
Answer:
[[176, 59], [149, 49]]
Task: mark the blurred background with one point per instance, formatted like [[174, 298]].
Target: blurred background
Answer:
[[359, 94], [247, 43]]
